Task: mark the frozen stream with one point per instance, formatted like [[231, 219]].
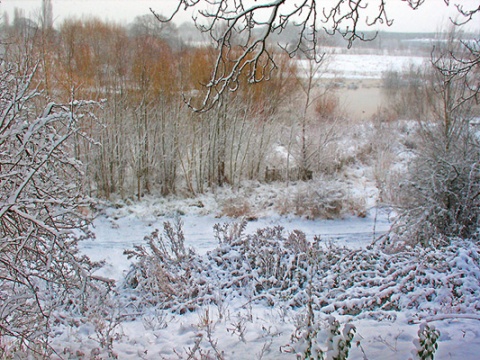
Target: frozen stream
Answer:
[[113, 236]]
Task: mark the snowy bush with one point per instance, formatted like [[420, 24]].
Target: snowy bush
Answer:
[[278, 269], [441, 187], [320, 199], [439, 191], [43, 278], [167, 273]]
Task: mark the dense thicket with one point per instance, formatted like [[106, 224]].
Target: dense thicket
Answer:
[[280, 269], [147, 139]]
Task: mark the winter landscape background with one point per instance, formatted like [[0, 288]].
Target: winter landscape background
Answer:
[[330, 212]]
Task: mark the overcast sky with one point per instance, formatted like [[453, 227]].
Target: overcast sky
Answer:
[[431, 17]]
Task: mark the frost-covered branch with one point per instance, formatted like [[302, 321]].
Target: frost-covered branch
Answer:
[[41, 271]]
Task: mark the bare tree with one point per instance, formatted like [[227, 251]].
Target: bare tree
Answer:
[[241, 30], [148, 26], [47, 14], [309, 82], [460, 63], [41, 271]]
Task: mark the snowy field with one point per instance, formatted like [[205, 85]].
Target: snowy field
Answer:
[[365, 66]]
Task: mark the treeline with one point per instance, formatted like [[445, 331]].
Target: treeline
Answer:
[[145, 138]]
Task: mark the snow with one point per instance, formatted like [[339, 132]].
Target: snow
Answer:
[[246, 326], [365, 66]]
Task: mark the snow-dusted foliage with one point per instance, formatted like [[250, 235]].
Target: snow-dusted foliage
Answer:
[[441, 192], [442, 185], [165, 271], [42, 275], [278, 269], [307, 339]]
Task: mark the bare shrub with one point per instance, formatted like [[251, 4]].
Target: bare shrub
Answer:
[[157, 320], [327, 106], [384, 152], [236, 208], [205, 346], [321, 200], [319, 204], [390, 192], [386, 113], [164, 273], [229, 233], [440, 194], [406, 93], [106, 321]]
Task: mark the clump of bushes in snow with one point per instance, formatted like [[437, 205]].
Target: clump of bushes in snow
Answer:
[[275, 268], [320, 198], [440, 192]]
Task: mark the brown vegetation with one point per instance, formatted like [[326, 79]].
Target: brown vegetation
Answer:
[[145, 138]]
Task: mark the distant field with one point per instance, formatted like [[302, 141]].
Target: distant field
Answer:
[[371, 66], [358, 79]]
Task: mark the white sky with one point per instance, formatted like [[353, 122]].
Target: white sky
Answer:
[[432, 16]]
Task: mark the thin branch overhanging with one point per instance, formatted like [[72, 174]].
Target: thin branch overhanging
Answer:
[[232, 24]]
